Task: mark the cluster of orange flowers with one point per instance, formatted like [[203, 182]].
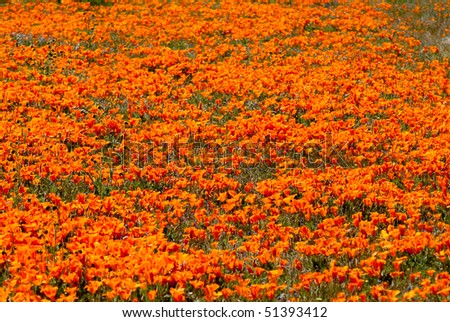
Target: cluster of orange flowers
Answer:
[[221, 152]]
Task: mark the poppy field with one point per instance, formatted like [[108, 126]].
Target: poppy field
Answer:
[[222, 151]]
